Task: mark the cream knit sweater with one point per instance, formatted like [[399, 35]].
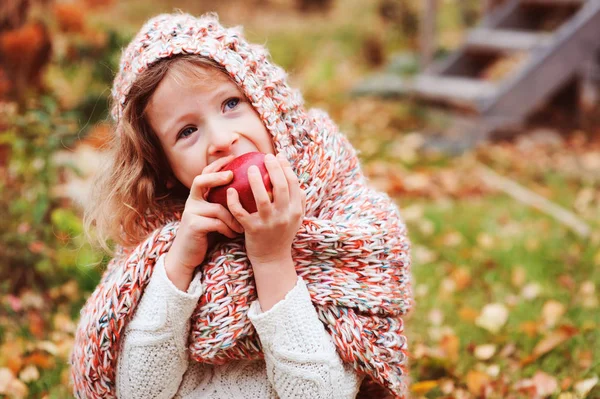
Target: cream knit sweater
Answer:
[[300, 358]]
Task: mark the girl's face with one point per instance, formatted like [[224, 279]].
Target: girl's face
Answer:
[[197, 124]]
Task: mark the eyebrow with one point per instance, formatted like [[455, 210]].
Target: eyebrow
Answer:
[[172, 124]]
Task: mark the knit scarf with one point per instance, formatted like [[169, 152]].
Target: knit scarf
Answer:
[[352, 249]]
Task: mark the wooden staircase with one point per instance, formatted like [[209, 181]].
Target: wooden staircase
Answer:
[[550, 42]]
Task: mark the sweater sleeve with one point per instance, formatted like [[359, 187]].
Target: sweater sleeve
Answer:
[[153, 355], [301, 358]]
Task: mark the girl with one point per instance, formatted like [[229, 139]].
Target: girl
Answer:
[[303, 300]]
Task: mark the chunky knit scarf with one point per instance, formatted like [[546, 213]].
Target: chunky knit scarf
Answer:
[[352, 248]]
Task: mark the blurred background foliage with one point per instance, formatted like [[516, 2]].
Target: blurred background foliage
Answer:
[[506, 297]]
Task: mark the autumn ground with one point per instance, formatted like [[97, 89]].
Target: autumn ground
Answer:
[[506, 296]]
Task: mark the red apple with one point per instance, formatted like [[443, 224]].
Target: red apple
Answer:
[[239, 166]]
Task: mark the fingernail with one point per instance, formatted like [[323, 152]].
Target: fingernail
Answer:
[[269, 157]]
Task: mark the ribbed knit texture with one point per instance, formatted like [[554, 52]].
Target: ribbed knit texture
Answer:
[[300, 358], [352, 249]]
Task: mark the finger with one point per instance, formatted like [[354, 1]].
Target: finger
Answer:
[[292, 179], [263, 202], [214, 224], [281, 192], [218, 164], [216, 211], [235, 207], [203, 182]]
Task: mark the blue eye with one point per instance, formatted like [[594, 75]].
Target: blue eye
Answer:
[[182, 134], [233, 100]]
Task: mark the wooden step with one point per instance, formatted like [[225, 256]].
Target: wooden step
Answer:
[[500, 40], [458, 91]]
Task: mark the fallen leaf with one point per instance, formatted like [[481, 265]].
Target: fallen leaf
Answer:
[[529, 327], [29, 374], [545, 384], [422, 387], [518, 276], [508, 350], [461, 277], [492, 317], [450, 344], [552, 312], [551, 341], [41, 359], [476, 381], [531, 291], [566, 383], [6, 376], [447, 386], [587, 295], [452, 239], [493, 370], [485, 241], [468, 314], [447, 286], [436, 317], [36, 324], [567, 282], [11, 355], [485, 352], [585, 386], [11, 386], [586, 359]]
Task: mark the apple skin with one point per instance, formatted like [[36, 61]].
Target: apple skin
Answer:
[[239, 166]]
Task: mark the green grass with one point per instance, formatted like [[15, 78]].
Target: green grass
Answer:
[[558, 253]]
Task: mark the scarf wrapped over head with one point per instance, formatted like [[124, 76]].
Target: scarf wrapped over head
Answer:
[[352, 249]]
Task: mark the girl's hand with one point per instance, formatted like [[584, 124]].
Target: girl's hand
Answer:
[[270, 230], [200, 218]]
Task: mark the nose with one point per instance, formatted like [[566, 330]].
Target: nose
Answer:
[[222, 139]]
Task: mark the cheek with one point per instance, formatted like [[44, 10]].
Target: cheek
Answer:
[[187, 166], [265, 140]]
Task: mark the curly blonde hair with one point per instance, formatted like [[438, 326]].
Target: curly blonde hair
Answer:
[[137, 181]]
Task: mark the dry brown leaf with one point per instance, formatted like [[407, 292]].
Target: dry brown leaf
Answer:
[[29, 374], [567, 282], [11, 355], [530, 328], [36, 324], [6, 376], [41, 359], [422, 387], [468, 314], [452, 239], [461, 277], [450, 344], [531, 291], [436, 317], [485, 352], [476, 381], [585, 386], [552, 312], [545, 384], [585, 359], [493, 316], [518, 276], [11, 386], [486, 241], [70, 17], [551, 341], [566, 383]]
